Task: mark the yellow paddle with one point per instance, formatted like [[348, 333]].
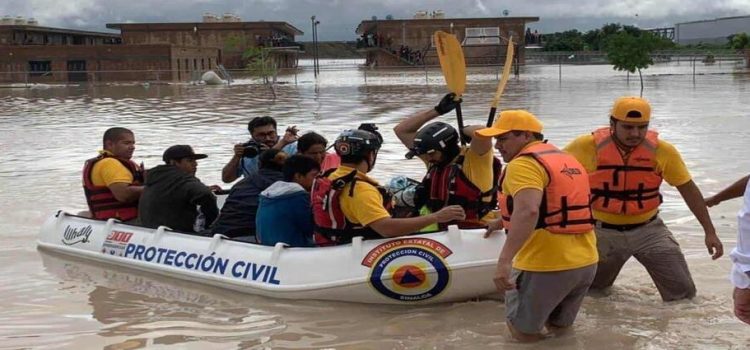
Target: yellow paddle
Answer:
[[454, 70], [503, 81]]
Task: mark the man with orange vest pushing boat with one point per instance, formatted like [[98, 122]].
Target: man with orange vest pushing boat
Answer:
[[627, 163], [549, 257], [112, 182]]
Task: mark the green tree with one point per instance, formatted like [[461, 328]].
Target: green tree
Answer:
[[629, 52], [593, 40], [232, 43], [740, 41], [258, 63], [571, 40]]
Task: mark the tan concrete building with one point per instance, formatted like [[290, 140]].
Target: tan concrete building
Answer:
[[484, 40], [100, 63], [37, 35], [36, 54], [142, 52], [232, 38]]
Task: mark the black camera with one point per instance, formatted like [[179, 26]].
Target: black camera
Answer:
[[251, 149]]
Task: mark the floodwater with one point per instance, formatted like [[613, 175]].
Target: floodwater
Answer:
[[53, 302]]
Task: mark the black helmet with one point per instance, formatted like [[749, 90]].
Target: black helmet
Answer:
[[437, 136], [356, 143]]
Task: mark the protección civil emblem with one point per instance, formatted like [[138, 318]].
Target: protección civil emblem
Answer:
[[409, 269]]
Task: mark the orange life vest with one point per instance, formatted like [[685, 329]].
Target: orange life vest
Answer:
[[565, 202], [100, 199], [625, 186]]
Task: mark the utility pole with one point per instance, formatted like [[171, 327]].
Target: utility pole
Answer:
[[316, 63]]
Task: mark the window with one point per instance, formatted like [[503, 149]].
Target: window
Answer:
[[39, 68], [482, 36]]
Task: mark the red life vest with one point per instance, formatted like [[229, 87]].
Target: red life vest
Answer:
[[625, 186], [331, 225], [565, 202], [102, 202], [448, 185]]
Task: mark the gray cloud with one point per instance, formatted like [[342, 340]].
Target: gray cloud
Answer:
[[339, 18]]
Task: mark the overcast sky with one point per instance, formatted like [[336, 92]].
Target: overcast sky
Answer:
[[339, 18]]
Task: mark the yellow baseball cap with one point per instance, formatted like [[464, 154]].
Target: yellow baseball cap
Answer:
[[512, 120], [631, 109]]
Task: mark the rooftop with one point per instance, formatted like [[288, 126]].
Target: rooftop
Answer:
[[283, 26]]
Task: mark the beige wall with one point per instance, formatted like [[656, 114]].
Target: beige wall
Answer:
[[107, 62]]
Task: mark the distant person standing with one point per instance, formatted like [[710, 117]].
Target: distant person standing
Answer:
[[740, 275], [173, 195], [627, 164], [112, 182]]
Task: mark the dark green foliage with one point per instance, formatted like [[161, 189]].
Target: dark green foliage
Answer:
[[595, 39], [258, 63], [571, 40], [739, 41], [631, 51], [628, 52]]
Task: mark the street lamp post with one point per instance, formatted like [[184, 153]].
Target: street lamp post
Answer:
[[316, 63]]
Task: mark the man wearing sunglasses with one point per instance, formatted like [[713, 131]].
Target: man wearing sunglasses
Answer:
[[263, 136]]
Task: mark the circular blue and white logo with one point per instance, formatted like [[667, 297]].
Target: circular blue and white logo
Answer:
[[410, 273]]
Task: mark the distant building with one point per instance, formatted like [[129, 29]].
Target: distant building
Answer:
[[405, 42], [35, 54], [231, 37], [712, 31], [26, 34]]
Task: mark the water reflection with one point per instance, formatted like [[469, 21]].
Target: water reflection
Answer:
[[46, 134]]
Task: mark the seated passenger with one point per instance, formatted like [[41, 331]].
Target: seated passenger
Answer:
[[237, 217], [173, 196], [456, 174], [112, 182], [347, 203], [284, 213], [314, 145]]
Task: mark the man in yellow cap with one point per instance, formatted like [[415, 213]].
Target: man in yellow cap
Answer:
[[549, 257], [627, 163]]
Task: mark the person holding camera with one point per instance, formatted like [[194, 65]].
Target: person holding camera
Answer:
[[263, 136]]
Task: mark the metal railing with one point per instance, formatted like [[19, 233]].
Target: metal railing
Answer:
[[418, 73], [600, 57]]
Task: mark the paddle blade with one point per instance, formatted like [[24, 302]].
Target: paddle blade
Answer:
[[506, 73], [451, 61]]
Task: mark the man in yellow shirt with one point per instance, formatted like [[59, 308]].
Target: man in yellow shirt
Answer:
[[627, 163], [347, 203], [465, 176], [549, 257], [112, 182]]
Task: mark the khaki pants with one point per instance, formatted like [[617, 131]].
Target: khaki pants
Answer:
[[655, 248], [546, 298]]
